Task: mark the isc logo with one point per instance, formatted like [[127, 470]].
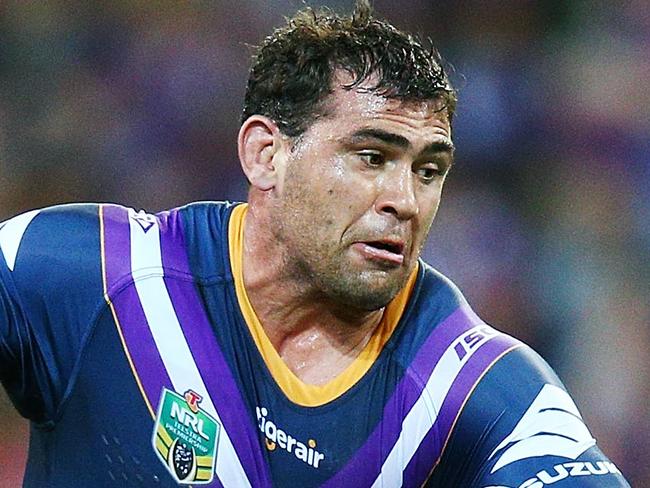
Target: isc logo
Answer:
[[472, 339]]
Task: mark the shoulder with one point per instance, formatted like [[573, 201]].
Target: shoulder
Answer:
[[43, 248], [207, 214], [207, 229], [48, 245], [438, 324], [189, 241], [204, 228], [499, 413], [50, 292], [518, 425]]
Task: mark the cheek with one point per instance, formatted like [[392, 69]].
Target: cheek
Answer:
[[334, 204], [432, 199], [340, 189], [329, 192], [428, 210]]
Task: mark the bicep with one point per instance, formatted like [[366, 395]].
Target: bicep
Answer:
[[520, 428]]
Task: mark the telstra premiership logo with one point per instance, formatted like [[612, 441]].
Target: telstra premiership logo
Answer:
[[185, 437]]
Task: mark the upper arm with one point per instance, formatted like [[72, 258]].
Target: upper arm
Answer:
[[50, 289], [520, 428]]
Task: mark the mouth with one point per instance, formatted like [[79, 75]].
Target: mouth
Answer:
[[387, 251]]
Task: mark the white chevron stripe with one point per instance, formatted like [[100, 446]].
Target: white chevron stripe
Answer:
[[551, 425], [146, 261], [11, 233], [425, 411]]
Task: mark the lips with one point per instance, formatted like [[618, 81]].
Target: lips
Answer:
[[388, 251], [392, 246]]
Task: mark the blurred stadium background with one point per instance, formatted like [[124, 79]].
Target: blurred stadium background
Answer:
[[545, 224]]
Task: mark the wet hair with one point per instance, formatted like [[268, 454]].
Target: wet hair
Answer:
[[294, 68]]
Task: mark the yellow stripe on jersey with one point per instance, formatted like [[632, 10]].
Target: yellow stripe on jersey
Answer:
[[164, 436], [203, 474], [296, 390], [204, 462], [162, 448]]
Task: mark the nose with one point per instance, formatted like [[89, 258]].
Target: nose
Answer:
[[396, 194]]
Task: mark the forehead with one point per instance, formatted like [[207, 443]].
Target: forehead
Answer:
[[351, 109]]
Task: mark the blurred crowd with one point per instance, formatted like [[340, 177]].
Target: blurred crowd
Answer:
[[545, 220]]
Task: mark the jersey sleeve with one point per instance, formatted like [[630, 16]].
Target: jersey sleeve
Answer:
[[50, 290], [521, 429]]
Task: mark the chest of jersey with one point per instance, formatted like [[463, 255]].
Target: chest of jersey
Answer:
[[144, 365], [209, 390], [222, 415]]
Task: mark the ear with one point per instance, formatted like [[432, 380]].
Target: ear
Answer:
[[258, 144]]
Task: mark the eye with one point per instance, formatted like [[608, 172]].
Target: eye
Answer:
[[371, 158], [429, 172]]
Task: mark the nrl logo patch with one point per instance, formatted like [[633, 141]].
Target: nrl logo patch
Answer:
[[185, 437]]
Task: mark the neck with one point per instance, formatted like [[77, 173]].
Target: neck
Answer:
[[316, 337]]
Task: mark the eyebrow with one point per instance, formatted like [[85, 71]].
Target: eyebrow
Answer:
[[400, 141]]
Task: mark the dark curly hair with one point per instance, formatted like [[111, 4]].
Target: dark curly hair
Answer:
[[293, 69]]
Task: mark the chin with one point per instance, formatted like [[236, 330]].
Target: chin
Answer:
[[370, 303], [366, 294]]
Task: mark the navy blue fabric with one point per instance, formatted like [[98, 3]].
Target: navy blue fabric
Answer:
[[64, 366], [492, 412]]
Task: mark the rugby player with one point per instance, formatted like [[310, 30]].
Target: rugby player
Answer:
[[296, 339]]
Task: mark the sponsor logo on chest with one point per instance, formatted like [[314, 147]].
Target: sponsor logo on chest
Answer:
[[275, 437], [185, 437]]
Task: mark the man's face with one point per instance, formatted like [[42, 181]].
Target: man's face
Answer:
[[358, 194]]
